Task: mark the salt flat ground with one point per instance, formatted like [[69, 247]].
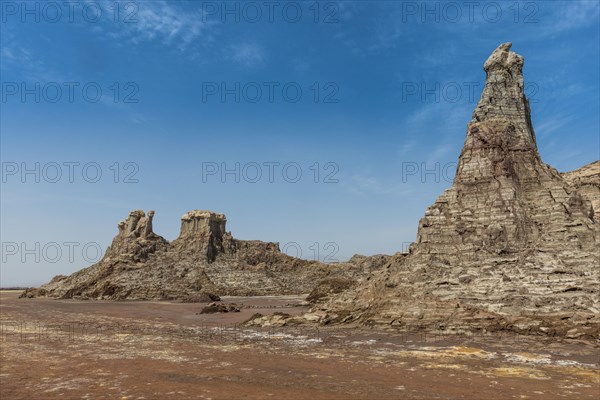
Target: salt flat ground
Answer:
[[65, 349]]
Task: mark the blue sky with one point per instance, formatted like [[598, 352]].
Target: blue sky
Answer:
[[386, 87]]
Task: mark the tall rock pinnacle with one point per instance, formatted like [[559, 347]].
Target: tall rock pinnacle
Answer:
[[503, 96], [511, 239], [504, 199]]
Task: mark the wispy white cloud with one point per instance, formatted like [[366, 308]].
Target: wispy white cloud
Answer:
[[159, 20], [441, 126], [440, 154], [26, 63], [247, 54], [575, 14], [406, 147], [442, 117], [552, 124]]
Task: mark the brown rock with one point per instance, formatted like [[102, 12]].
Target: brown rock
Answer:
[[213, 308], [328, 287]]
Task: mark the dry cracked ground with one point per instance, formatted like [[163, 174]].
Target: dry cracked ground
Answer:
[[66, 349]]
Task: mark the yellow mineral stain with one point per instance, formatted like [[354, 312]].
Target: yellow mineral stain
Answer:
[[518, 372], [581, 374]]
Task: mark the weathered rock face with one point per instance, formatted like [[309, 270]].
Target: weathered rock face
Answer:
[[587, 182], [203, 235], [512, 245], [204, 261], [329, 287], [135, 239]]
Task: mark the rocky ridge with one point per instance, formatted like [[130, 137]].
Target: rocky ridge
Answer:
[[203, 262]]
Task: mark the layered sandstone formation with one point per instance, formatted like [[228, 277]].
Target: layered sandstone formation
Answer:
[[512, 245], [204, 261], [587, 181]]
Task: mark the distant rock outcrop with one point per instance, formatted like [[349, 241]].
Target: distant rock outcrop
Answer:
[[203, 235], [135, 240], [513, 245], [203, 262], [587, 182]]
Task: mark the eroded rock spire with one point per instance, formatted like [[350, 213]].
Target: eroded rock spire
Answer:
[[503, 97], [510, 241]]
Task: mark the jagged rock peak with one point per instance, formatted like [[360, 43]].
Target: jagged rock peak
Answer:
[[137, 224], [504, 59], [136, 239], [503, 99]]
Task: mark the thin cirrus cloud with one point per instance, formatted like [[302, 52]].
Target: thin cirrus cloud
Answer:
[[162, 20], [168, 23], [184, 29], [247, 54], [552, 124], [26, 64], [576, 14]]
